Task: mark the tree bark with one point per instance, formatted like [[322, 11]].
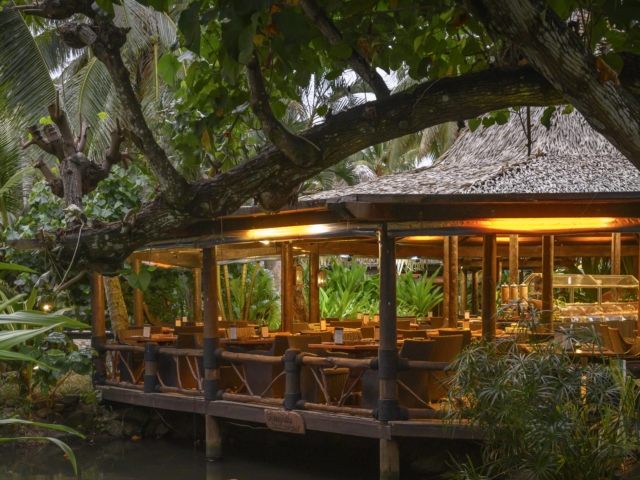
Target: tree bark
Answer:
[[560, 55], [115, 302]]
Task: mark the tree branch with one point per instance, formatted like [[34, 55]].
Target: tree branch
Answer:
[[105, 40], [53, 180], [44, 144], [81, 140], [59, 117], [301, 152], [356, 61], [559, 54]]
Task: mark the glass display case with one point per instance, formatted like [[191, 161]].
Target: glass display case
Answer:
[[581, 309]]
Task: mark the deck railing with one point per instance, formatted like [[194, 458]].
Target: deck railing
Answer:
[[293, 362]]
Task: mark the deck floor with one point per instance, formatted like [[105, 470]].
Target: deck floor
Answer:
[[318, 421]]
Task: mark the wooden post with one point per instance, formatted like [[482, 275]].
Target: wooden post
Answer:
[[463, 291], [98, 328], [138, 300], [151, 367], [547, 281], [287, 287], [210, 291], [489, 264], [314, 291], [514, 259], [388, 408], [197, 295], [389, 459], [453, 282], [446, 284], [292, 393], [475, 303], [616, 260]]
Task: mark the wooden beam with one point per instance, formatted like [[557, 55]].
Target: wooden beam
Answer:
[[98, 328], [197, 294], [388, 351], [287, 286], [489, 264], [547, 280], [616, 261], [446, 284], [463, 290], [210, 291], [138, 299], [453, 282], [314, 291], [475, 307], [513, 259]]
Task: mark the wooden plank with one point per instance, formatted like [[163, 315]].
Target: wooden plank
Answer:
[[197, 294], [489, 264], [98, 327], [211, 304], [432, 429], [547, 280], [446, 282], [475, 307], [179, 403], [138, 299], [287, 286], [463, 290]]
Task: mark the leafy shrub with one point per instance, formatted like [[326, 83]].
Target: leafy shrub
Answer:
[[417, 297], [349, 291]]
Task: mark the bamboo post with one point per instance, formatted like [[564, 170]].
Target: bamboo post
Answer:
[[98, 329], [446, 284], [197, 295], [138, 307], [547, 280], [210, 291], [287, 287], [513, 260], [388, 408], [150, 367], [453, 282], [292, 393], [616, 260], [314, 291], [489, 264], [463, 291], [475, 300]]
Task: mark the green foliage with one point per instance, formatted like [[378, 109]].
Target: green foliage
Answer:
[[349, 291], [417, 297], [542, 414]]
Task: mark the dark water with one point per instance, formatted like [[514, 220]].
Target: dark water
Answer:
[[158, 459]]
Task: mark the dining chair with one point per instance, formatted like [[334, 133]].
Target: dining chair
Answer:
[[437, 322], [367, 332], [446, 348], [298, 327], [259, 375], [413, 385], [412, 333], [466, 335], [621, 346], [403, 324]]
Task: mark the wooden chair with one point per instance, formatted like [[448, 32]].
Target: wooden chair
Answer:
[[347, 324], [412, 333], [411, 383], [466, 335], [259, 376], [446, 348], [403, 324], [437, 322], [621, 346], [367, 332], [299, 326]]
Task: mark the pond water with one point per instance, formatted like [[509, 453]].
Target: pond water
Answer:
[[159, 459]]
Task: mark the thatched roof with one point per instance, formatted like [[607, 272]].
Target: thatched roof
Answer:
[[569, 158]]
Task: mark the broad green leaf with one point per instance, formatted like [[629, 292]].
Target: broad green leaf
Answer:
[[106, 6], [341, 50], [103, 115], [474, 123], [37, 318], [11, 301], [567, 110], [144, 279], [189, 24], [546, 116], [65, 448], [168, 68], [16, 267]]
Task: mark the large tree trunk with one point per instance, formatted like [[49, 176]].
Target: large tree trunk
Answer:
[[115, 302]]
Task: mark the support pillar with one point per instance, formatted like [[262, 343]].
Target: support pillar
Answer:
[[287, 287], [210, 291], [98, 328], [197, 295], [314, 291], [616, 260], [514, 259], [475, 303], [453, 282], [547, 281], [489, 274], [138, 300], [446, 284], [389, 459], [388, 352], [463, 291]]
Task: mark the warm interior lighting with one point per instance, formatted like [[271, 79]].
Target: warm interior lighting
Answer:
[[158, 264], [322, 279], [265, 242], [561, 224], [286, 232], [46, 307], [422, 238], [299, 271]]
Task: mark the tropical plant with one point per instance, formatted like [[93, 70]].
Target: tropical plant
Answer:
[[417, 297], [349, 290], [542, 414]]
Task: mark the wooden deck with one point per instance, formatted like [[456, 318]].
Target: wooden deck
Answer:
[[318, 421]]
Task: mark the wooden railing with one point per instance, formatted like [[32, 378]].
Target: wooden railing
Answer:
[[293, 362]]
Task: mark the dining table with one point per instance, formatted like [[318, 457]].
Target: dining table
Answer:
[[162, 339]]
